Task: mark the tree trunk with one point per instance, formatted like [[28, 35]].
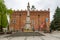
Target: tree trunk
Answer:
[[8, 27], [1, 29]]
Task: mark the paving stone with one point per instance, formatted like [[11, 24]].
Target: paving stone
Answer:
[[52, 36]]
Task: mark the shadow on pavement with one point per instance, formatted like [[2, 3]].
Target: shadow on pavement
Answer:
[[19, 34]]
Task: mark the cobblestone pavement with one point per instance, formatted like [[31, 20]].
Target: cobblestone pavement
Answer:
[[48, 36]]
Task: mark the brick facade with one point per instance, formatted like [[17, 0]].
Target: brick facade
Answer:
[[38, 18]]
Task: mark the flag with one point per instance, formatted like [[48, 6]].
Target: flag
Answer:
[[42, 25]]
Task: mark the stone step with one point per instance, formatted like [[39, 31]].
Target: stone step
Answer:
[[28, 31]]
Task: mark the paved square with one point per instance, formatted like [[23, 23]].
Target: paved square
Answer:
[[41, 36], [18, 34]]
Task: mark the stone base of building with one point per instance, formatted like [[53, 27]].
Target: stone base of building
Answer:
[[27, 30]]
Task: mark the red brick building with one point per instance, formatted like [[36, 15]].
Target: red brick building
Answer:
[[39, 19]]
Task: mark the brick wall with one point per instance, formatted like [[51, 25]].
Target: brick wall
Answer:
[[18, 19]]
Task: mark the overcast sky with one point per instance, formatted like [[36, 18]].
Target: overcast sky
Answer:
[[39, 4]]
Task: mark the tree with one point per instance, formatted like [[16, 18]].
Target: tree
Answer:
[[3, 15], [1, 1], [33, 7], [55, 24]]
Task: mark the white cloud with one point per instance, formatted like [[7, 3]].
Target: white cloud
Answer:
[[39, 4]]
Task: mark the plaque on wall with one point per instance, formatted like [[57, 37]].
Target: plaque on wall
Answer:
[[46, 19]]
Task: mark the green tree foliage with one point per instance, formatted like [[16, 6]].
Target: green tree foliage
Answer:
[[1, 1], [0, 20], [3, 15], [4, 21], [55, 24]]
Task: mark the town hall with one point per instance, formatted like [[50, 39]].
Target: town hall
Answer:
[[30, 20]]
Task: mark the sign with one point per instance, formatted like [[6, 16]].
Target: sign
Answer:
[[46, 19]]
